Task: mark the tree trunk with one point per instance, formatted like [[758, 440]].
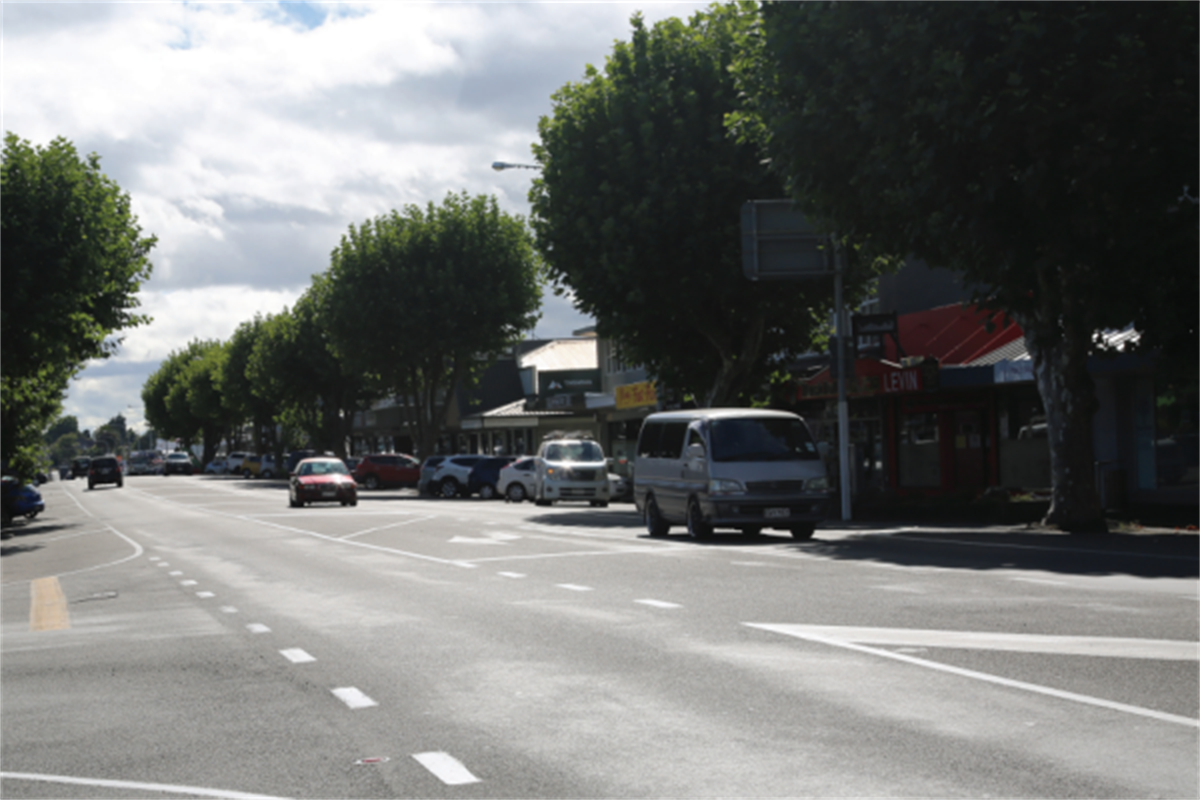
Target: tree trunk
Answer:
[[1069, 397], [728, 383]]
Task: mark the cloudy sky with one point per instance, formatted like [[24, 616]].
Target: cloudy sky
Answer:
[[250, 135]]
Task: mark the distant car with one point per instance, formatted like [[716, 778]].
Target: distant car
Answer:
[[322, 479], [144, 463], [518, 480], [428, 467], [351, 463], [234, 461], [259, 466], [22, 500], [619, 488], [296, 456], [178, 463], [452, 475], [218, 466], [484, 476], [105, 469], [79, 467], [387, 469]]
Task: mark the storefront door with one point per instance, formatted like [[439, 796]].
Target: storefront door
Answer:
[[969, 438]]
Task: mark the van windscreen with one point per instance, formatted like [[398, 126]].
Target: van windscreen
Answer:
[[762, 439]]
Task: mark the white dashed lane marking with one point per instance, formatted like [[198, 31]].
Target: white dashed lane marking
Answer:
[[512, 574], [205, 595], [257, 627], [574, 587], [448, 769], [658, 603], [353, 698], [297, 656]]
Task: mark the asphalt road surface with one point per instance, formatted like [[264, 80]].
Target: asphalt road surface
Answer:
[[195, 637]]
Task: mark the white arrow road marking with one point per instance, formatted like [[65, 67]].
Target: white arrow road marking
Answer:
[[448, 769], [845, 638]]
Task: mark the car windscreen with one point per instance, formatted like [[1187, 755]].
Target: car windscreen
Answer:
[[761, 439], [323, 468], [574, 451]]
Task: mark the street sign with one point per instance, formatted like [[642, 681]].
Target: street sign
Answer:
[[778, 243]]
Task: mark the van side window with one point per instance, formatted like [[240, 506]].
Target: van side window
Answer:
[[694, 437], [671, 443], [648, 441]]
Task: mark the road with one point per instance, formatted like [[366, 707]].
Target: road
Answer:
[[195, 637]]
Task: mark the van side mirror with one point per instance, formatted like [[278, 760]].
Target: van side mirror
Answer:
[[695, 450]]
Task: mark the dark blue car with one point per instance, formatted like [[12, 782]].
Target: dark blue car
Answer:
[[21, 500], [484, 476]]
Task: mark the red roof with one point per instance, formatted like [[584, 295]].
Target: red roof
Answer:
[[952, 334]]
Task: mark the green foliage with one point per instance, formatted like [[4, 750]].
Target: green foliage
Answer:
[[181, 398], [412, 299], [637, 211], [74, 259], [61, 426], [1042, 150]]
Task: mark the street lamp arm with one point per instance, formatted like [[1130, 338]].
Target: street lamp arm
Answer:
[[500, 166]]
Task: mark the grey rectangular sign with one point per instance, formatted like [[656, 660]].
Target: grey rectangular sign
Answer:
[[778, 243]]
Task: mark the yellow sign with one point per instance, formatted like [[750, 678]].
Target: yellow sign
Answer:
[[635, 395]]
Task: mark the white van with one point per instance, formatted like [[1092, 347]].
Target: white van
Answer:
[[571, 467], [740, 468]]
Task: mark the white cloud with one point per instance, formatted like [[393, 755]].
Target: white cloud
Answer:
[[251, 135]]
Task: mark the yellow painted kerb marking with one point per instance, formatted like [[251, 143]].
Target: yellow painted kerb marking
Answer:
[[48, 606]]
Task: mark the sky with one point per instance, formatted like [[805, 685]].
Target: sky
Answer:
[[251, 135]]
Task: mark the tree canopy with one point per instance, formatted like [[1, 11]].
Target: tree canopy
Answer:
[[1044, 150], [415, 298], [74, 259], [637, 211]]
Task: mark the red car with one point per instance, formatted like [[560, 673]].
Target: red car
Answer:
[[387, 469], [321, 480]]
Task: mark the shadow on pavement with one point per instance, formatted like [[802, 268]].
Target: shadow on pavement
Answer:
[[1146, 555], [18, 549]]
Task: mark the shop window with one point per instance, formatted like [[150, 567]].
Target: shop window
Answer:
[[1023, 447], [919, 451]]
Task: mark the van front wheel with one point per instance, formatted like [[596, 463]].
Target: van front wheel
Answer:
[[698, 528]]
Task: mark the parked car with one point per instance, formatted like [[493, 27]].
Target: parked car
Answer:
[[296, 456], [21, 500], [259, 466], [352, 463], [452, 475], [618, 487], [234, 461], [484, 477], [105, 469], [321, 479], [218, 466], [742, 468], [571, 468], [178, 463], [388, 469], [428, 467], [518, 481]]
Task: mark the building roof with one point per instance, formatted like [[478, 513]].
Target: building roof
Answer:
[[562, 354]]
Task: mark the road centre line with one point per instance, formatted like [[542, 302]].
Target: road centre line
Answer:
[[164, 788], [448, 769], [822, 635]]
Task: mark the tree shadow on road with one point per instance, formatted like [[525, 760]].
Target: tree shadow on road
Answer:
[[1142, 555]]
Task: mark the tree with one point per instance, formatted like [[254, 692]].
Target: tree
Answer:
[[74, 260], [637, 212], [292, 361], [1043, 150], [181, 399], [413, 300], [238, 391]]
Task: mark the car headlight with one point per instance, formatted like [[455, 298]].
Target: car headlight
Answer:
[[719, 486], [817, 485]]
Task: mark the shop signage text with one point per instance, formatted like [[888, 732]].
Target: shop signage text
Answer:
[[635, 395]]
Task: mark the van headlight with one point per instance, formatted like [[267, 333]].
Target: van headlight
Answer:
[[720, 486], [817, 485]]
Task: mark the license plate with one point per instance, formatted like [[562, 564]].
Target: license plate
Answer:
[[777, 513], [328, 492]]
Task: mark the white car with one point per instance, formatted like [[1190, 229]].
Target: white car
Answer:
[[572, 469], [518, 480], [452, 475]]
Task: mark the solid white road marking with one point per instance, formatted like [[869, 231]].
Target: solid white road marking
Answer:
[[257, 627], [658, 603], [574, 587], [353, 697], [297, 656], [165, 788], [448, 769], [828, 634]]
